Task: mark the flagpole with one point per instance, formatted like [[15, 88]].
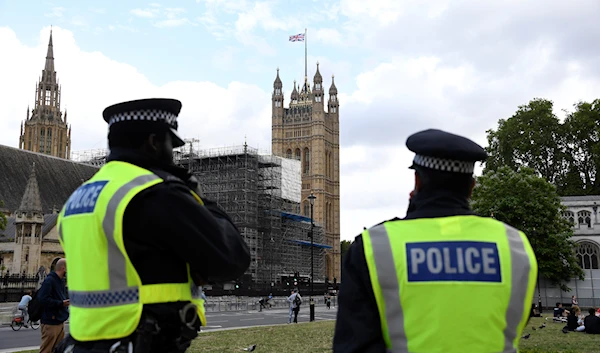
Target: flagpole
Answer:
[[305, 54]]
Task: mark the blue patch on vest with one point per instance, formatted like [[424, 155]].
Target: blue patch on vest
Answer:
[[462, 261], [83, 200]]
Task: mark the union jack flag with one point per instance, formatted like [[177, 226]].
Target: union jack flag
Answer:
[[297, 38]]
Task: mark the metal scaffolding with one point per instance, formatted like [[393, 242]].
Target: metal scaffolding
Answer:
[[95, 157], [261, 193]]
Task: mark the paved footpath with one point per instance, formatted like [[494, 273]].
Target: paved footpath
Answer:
[[28, 338]]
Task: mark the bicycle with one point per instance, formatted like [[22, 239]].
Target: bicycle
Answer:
[[18, 322]]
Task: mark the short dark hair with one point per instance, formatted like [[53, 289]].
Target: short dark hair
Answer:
[[592, 311], [134, 134], [440, 180]]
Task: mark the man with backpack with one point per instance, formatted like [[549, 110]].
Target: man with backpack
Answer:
[[53, 301], [295, 300]]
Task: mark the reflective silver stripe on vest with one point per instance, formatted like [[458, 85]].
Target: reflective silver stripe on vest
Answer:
[[119, 293], [520, 267], [390, 288]]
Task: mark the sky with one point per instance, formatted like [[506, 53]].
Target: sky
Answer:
[[400, 66]]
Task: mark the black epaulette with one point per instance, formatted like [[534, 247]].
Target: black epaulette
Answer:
[[167, 177]]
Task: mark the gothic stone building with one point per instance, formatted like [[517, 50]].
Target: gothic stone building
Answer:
[[45, 131], [33, 188], [582, 211], [306, 132]]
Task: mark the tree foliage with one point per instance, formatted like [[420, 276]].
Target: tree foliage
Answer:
[[530, 203], [566, 154]]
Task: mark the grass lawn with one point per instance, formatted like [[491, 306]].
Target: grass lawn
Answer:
[[551, 339], [317, 337]]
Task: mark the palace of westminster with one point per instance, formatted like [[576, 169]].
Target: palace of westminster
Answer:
[[305, 161], [39, 176]]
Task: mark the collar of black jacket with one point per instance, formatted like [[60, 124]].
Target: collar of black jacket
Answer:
[[437, 203], [144, 161]]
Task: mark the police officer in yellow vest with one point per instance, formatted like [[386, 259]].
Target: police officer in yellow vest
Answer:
[[140, 240], [442, 279]]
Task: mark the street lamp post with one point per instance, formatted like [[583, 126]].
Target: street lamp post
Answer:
[[311, 199], [271, 274]]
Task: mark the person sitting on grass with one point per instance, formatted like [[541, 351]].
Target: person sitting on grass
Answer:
[[574, 323], [560, 313], [534, 311], [592, 322]]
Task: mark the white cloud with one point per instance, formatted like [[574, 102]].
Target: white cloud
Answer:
[[225, 59], [251, 17], [175, 22], [170, 15], [56, 12], [329, 36], [78, 21], [98, 10], [146, 13]]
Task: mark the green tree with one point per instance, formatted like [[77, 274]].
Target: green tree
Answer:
[[533, 137], [583, 141], [344, 246], [530, 203]]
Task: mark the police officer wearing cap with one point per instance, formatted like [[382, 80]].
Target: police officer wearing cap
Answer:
[[140, 240], [442, 279]]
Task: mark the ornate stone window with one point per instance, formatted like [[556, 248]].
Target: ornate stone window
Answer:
[[584, 217], [570, 216], [306, 160], [587, 254], [289, 154]]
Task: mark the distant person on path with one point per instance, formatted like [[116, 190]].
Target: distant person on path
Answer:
[[23, 304], [399, 275], [574, 301], [54, 302], [295, 300]]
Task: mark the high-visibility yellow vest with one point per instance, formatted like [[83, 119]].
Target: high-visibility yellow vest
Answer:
[[451, 284], [106, 293]]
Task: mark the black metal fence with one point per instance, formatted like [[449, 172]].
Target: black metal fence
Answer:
[[263, 290], [13, 287]]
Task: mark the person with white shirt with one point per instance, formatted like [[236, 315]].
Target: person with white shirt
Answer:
[[23, 305]]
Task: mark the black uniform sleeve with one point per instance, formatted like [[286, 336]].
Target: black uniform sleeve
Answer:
[[357, 328], [203, 236]]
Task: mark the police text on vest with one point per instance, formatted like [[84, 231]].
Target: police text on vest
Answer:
[[462, 261], [83, 200]]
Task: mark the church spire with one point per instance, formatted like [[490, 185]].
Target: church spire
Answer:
[[31, 201], [50, 56]]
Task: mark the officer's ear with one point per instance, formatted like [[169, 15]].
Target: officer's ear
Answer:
[[154, 143]]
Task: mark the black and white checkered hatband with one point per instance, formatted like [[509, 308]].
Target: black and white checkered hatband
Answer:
[[145, 115], [447, 165]]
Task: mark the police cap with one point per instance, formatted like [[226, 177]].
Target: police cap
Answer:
[[152, 110], [443, 151]]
